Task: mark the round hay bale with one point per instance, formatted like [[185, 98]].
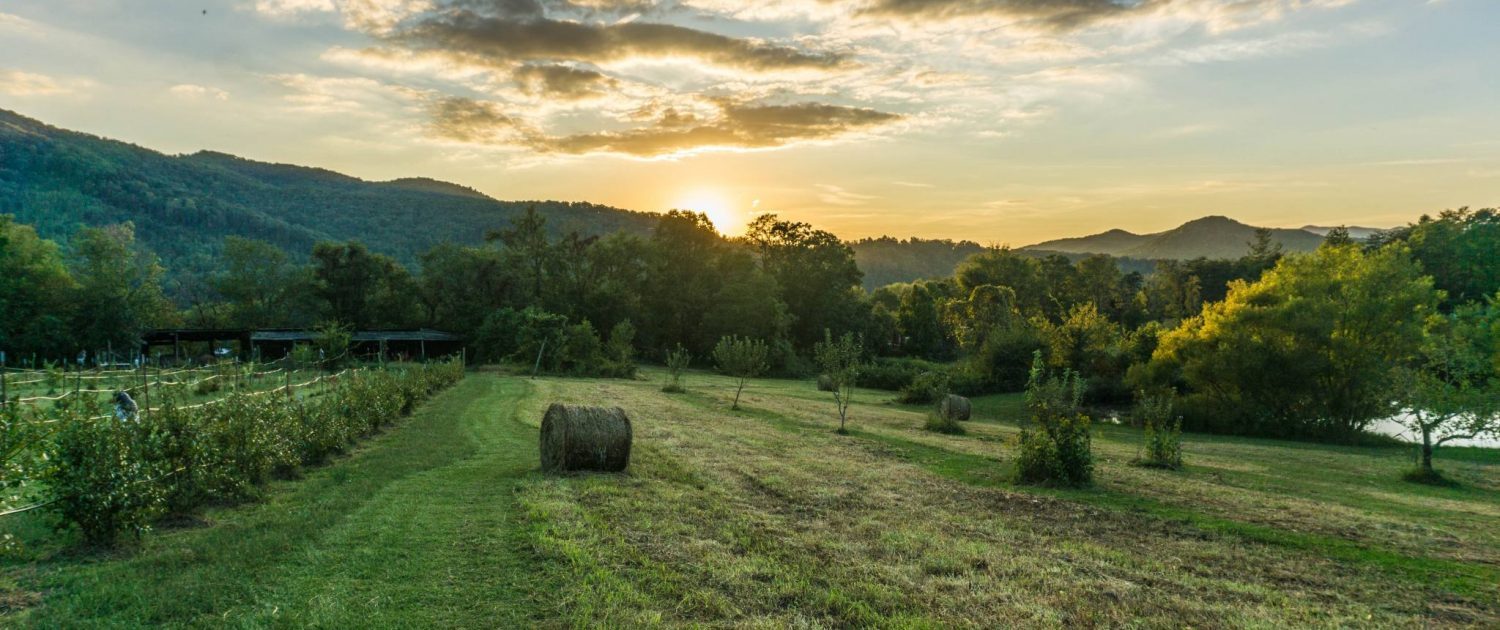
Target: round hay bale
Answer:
[[955, 407], [825, 384], [577, 437]]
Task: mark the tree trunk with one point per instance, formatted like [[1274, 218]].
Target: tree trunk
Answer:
[[737, 391], [1426, 450]]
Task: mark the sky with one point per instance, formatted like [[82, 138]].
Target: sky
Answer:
[[997, 121]]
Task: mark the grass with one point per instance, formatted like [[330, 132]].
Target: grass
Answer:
[[764, 517]]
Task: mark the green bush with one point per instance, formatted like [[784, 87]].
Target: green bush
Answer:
[[1055, 446], [1163, 432], [939, 423], [896, 374], [111, 477], [926, 388], [100, 478]]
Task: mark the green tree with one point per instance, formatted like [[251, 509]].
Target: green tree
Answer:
[[741, 358], [35, 294], [258, 281], [840, 360], [528, 249], [1457, 248], [362, 289], [119, 293], [816, 274], [1306, 350], [678, 361], [1451, 391]]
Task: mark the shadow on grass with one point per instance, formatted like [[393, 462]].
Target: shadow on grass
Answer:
[[1469, 580]]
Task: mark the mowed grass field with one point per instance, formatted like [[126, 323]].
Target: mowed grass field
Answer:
[[764, 517]]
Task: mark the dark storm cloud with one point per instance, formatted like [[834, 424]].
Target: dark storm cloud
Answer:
[[563, 82], [738, 125], [515, 31]]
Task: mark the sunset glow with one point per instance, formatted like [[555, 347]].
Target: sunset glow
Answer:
[[998, 121]]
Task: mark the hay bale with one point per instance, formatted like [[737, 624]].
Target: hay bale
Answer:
[[955, 407], [577, 437], [825, 384]]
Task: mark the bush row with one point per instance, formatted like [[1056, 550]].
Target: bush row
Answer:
[[110, 477]]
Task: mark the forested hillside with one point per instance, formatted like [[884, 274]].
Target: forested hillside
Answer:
[[184, 206], [1209, 237]]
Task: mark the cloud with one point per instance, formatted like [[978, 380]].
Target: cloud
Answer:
[[838, 196], [190, 91], [290, 8], [471, 121], [733, 126], [563, 82], [1058, 16], [18, 83], [524, 33]]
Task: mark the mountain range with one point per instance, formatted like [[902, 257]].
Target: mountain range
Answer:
[[1208, 237], [183, 206]]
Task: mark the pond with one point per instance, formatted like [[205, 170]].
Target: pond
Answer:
[[1392, 427]]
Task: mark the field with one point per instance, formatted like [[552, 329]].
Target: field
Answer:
[[764, 517]]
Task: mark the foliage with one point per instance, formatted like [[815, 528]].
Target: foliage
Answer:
[[1304, 351], [1162, 438], [1457, 248], [938, 422], [109, 478], [678, 361], [1055, 445], [815, 274], [333, 340], [360, 288], [894, 373], [1451, 391], [741, 358], [841, 360], [119, 289], [100, 477], [926, 388]]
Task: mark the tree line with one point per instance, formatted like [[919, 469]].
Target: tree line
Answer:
[[1288, 345]]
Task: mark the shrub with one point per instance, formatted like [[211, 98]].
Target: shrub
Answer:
[[1055, 446], [1163, 432], [895, 374], [620, 351], [926, 388], [100, 478], [111, 477], [677, 363], [938, 422]]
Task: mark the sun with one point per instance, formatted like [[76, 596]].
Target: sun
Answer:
[[717, 205]]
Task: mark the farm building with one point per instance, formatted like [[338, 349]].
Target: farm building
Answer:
[[187, 343]]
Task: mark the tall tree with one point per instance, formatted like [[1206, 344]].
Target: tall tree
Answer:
[[362, 289], [34, 294], [258, 281], [819, 281], [119, 293]]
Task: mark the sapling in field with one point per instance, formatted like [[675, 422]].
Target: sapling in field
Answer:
[[742, 359], [1163, 432], [840, 359], [677, 363]]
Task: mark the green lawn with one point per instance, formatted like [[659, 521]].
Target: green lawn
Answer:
[[764, 517]]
